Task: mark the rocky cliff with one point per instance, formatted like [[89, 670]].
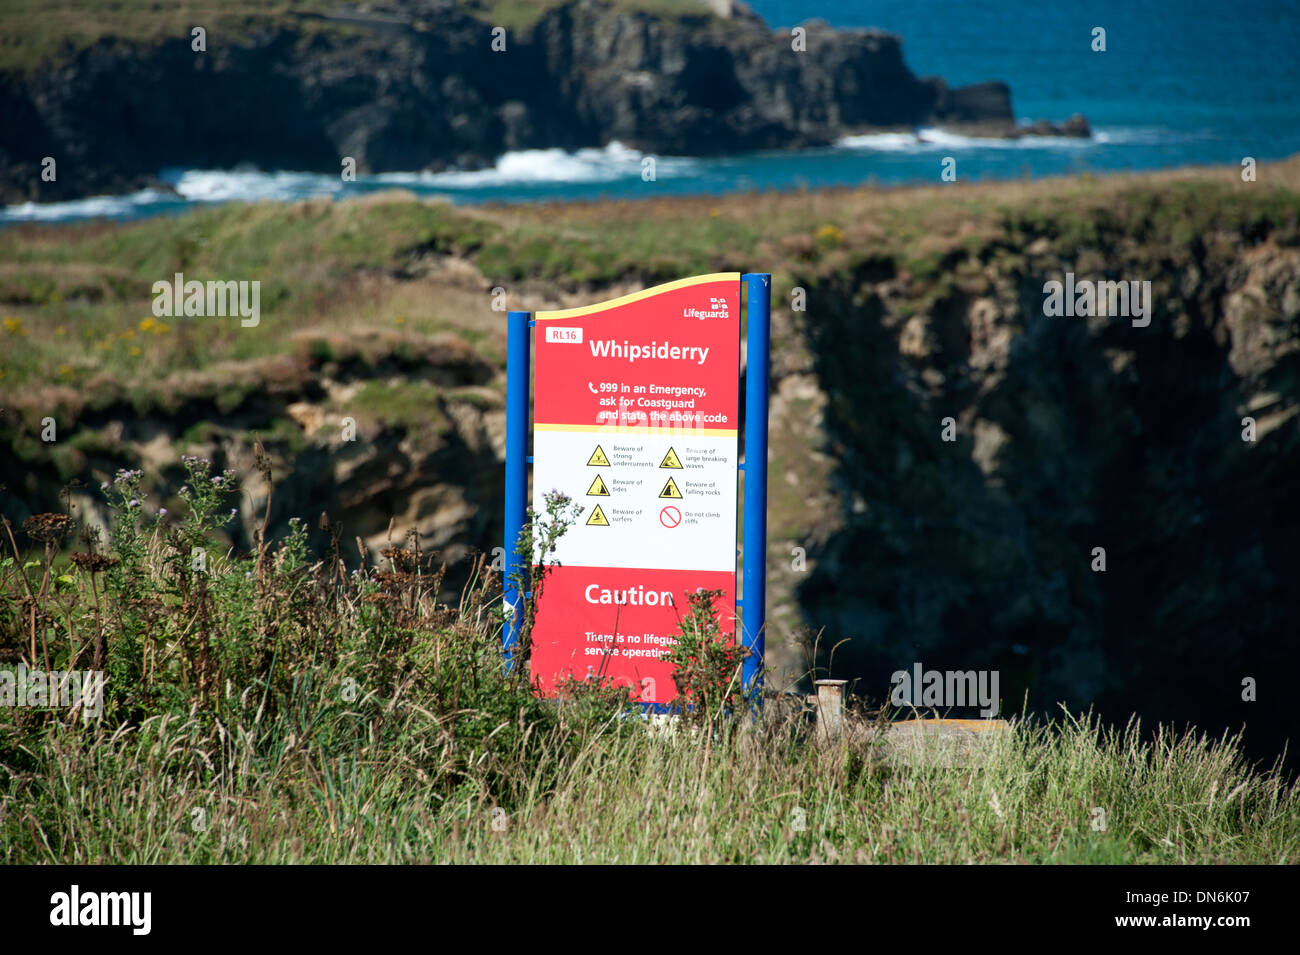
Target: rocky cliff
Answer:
[[418, 84]]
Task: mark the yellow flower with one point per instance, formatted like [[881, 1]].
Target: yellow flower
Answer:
[[14, 325], [60, 332], [65, 371], [129, 333], [136, 350], [829, 235], [714, 212], [146, 324]]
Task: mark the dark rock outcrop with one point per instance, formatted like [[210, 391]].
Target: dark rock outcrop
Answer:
[[417, 84]]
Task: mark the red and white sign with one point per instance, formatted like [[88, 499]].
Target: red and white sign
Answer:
[[635, 419]]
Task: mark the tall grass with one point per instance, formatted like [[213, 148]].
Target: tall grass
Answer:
[[275, 707]]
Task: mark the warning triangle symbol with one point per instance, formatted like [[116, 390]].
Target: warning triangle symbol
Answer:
[[670, 490], [598, 459], [598, 518], [598, 488], [670, 461]]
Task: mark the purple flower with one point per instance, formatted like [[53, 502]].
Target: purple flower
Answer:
[[162, 512], [134, 503]]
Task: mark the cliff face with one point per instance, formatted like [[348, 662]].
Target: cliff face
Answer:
[[1174, 447], [421, 87]]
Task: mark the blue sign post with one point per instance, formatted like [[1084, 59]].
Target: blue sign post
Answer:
[[517, 393], [753, 602], [565, 334]]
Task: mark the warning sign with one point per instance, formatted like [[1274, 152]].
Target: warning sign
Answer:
[[670, 460], [646, 382]]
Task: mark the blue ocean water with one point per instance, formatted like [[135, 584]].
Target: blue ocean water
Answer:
[[1185, 82]]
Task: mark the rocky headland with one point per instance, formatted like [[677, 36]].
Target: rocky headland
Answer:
[[428, 85]]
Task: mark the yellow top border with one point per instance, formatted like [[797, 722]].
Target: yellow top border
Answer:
[[637, 296]]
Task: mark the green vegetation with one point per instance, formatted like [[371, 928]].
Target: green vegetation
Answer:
[[76, 301], [36, 33], [274, 708], [522, 14], [41, 33]]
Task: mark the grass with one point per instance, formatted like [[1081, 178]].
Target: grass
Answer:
[[39, 34], [75, 299], [523, 14], [325, 784], [274, 708]]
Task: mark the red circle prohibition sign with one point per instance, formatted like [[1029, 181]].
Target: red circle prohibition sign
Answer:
[[670, 516]]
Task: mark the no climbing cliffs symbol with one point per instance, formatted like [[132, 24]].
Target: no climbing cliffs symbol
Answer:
[[598, 459], [670, 490], [597, 518], [598, 488], [670, 461]]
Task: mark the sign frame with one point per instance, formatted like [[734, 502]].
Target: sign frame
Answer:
[[752, 600]]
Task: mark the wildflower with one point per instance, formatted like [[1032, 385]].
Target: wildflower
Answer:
[[162, 512], [829, 235], [146, 324], [134, 503], [14, 325]]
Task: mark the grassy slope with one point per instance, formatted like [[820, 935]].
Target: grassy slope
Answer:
[[38, 33], [75, 296]]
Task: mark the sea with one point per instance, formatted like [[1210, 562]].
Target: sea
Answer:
[[1179, 83]]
